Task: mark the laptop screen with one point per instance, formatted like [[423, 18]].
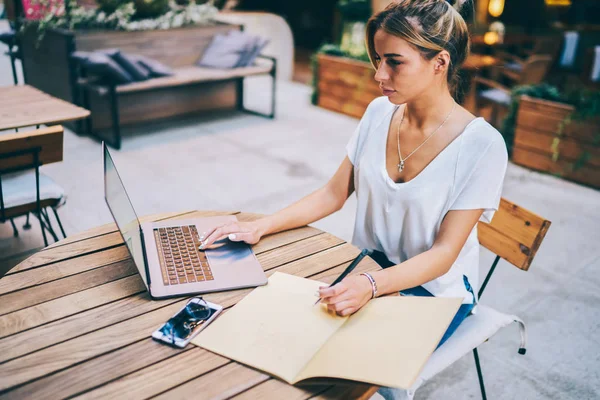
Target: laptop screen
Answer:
[[123, 213]]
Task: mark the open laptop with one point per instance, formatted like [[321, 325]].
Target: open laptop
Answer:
[[166, 253]]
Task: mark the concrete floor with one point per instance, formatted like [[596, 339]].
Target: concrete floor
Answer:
[[232, 161]]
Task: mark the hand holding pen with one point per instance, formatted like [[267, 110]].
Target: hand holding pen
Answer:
[[349, 296]]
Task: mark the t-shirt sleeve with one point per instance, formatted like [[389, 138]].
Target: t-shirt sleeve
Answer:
[[357, 141], [352, 146], [479, 185]]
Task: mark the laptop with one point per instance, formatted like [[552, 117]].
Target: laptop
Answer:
[[166, 253]]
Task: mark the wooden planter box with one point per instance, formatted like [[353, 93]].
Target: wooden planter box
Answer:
[[345, 85], [48, 68], [537, 135]]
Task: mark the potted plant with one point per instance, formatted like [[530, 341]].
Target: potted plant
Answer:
[[556, 133], [343, 82]]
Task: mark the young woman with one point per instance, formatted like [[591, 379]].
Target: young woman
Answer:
[[424, 169]]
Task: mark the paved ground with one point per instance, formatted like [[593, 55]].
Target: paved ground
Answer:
[[232, 161]]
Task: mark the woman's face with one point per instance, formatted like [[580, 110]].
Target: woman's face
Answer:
[[402, 71]]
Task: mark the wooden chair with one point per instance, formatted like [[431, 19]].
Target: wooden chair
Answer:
[[23, 189], [543, 45], [514, 235], [488, 92]]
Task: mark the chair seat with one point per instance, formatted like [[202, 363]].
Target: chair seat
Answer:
[[496, 95], [193, 74], [19, 189], [474, 330], [7, 37]]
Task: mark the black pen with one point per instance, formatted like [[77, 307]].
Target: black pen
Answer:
[[352, 265]]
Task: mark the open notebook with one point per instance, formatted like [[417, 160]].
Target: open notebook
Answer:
[[277, 329]]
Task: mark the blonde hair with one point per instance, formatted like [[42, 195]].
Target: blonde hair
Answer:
[[429, 25]]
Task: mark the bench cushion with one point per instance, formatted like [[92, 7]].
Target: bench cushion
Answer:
[[193, 74]]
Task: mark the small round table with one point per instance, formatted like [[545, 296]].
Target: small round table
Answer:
[[75, 319], [479, 61]]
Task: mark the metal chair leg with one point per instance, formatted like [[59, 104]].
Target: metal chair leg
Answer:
[[43, 226], [15, 231], [49, 225], [12, 64], [116, 123], [27, 225], [479, 374], [62, 230]]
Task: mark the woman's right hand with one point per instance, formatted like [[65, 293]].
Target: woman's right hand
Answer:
[[236, 231]]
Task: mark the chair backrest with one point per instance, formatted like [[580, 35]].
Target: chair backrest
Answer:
[[17, 150], [547, 45], [590, 73], [535, 69], [515, 234]]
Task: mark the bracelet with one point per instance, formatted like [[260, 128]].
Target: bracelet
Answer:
[[373, 284]]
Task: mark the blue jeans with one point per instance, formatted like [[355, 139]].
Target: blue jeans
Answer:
[[463, 312]]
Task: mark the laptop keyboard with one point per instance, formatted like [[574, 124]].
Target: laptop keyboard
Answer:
[[180, 259]]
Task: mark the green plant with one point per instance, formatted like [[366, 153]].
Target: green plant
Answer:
[[355, 10], [122, 18], [150, 8]]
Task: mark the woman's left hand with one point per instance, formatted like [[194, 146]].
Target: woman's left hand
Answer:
[[348, 296]]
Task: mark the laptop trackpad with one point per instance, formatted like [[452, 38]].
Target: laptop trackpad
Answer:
[[231, 255]]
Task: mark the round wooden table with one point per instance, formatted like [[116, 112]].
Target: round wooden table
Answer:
[[75, 320]]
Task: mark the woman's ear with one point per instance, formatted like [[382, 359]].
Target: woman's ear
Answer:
[[441, 62]]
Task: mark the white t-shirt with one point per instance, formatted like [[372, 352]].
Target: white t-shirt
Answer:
[[402, 220]]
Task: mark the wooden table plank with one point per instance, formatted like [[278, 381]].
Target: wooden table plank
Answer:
[[91, 245], [21, 299], [143, 389], [62, 355], [104, 316], [101, 334], [221, 383], [61, 269], [65, 306], [277, 389], [26, 106]]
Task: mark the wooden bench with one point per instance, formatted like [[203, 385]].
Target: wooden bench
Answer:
[[189, 90]]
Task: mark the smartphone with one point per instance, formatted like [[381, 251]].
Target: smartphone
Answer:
[[180, 338]]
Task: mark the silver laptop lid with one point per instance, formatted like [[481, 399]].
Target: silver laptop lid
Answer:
[[123, 213]]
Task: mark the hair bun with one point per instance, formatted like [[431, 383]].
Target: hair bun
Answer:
[[464, 7]]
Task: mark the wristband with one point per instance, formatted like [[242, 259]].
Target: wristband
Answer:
[[373, 284]]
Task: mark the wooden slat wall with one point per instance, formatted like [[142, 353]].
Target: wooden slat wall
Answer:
[[538, 123], [515, 234], [179, 47], [104, 327]]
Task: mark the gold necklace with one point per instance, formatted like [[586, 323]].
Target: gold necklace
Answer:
[[402, 160]]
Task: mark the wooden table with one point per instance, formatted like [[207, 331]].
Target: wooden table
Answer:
[[476, 62], [24, 105], [75, 319]]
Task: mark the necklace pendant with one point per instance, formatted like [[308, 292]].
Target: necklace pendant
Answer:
[[401, 166]]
